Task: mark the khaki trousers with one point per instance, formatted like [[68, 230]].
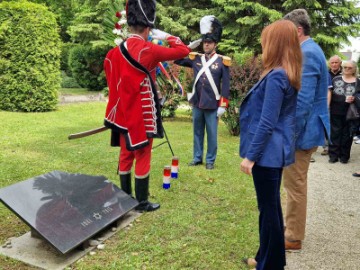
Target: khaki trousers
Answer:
[[295, 184]]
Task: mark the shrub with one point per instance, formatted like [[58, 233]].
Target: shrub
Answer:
[[29, 57], [68, 82], [64, 61], [243, 77], [86, 65], [169, 89], [170, 106]]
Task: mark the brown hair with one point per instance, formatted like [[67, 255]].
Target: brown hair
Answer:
[[281, 48]]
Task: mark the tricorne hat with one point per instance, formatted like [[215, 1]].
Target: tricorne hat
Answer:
[[210, 28], [141, 12]]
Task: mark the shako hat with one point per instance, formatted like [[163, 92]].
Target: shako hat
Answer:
[[141, 12], [210, 28]]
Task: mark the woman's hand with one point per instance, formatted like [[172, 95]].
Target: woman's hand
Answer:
[[246, 166], [349, 99]]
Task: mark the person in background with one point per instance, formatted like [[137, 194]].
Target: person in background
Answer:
[[342, 94], [267, 129], [312, 127], [133, 109], [335, 66], [334, 70], [210, 93], [357, 104]]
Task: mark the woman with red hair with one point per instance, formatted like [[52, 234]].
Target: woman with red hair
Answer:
[[267, 135]]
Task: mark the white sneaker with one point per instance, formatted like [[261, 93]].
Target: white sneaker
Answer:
[[357, 141], [356, 138]]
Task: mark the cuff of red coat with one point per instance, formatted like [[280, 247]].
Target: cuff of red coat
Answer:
[[223, 102]]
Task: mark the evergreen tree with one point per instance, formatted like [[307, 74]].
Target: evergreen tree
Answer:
[[86, 31], [332, 20], [64, 11]]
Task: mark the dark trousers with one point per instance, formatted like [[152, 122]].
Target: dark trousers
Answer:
[[271, 253], [341, 139]]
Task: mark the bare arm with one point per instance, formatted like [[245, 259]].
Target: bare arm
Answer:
[[329, 98]]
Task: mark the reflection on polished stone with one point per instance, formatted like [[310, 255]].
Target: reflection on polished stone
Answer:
[[67, 209]]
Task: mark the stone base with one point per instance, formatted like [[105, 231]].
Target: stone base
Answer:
[[37, 252]]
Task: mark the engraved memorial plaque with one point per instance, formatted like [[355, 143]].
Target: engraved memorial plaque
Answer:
[[67, 209]]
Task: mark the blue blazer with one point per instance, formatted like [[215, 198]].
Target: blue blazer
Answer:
[[312, 115], [267, 121]]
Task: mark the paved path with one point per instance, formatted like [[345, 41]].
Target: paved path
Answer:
[[333, 225], [96, 96]]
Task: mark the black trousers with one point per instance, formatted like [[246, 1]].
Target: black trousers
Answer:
[[271, 253], [341, 139]]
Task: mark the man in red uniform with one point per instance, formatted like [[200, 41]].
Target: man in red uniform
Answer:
[[133, 109]]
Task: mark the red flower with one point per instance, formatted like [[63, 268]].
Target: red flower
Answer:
[[118, 26], [118, 14]]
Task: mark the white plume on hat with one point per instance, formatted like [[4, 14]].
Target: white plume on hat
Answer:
[[206, 24], [210, 28]]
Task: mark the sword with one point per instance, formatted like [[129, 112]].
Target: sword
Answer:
[[87, 133], [101, 129]]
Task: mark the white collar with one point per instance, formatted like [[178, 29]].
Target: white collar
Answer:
[[135, 36]]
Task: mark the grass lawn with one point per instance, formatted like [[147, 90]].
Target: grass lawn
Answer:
[[207, 220]]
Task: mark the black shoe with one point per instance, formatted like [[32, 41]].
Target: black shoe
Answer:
[[147, 206], [344, 161], [356, 174], [195, 163], [333, 160], [209, 166], [324, 152]]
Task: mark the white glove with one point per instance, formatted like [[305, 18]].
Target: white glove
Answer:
[[220, 111], [194, 44], [158, 34]]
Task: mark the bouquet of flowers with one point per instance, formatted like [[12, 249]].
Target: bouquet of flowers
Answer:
[[120, 29], [115, 19]]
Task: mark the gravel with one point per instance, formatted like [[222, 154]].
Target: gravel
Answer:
[[332, 240]]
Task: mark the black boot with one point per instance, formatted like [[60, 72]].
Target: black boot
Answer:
[[125, 183], [142, 194]]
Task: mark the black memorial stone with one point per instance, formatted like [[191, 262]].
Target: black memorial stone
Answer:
[[67, 209]]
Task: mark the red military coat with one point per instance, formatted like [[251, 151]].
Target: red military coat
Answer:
[[133, 107]]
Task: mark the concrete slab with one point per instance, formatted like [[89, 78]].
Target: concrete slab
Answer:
[[37, 252], [64, 99]]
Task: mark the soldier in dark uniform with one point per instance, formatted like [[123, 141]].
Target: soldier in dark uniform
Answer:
[[210, 92]]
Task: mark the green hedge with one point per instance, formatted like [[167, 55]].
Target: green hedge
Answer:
[[86, 65], [29, 57], [64, 61], [68, 82]]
